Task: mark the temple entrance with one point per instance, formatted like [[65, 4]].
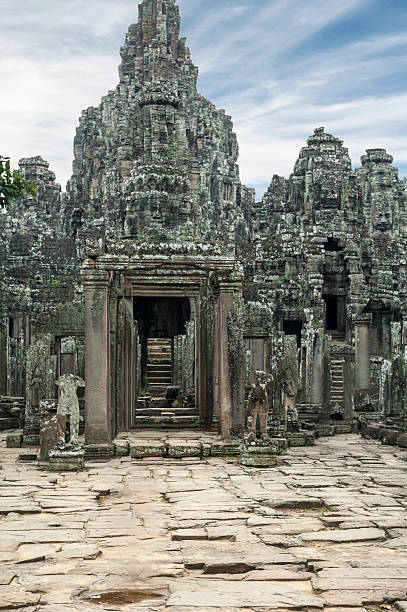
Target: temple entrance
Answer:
[[183, 306]]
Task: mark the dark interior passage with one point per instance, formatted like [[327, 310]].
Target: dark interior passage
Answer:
[[159, 319], [335, 313], [331, 303], [293, 328]]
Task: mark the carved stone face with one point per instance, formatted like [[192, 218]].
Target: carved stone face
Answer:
[[382, 216]]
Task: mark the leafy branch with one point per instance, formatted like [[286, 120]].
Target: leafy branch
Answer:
[[13, 186]]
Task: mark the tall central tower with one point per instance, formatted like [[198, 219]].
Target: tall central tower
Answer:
[[155, 161]]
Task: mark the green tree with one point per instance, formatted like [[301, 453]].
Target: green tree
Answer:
[[13, 186]]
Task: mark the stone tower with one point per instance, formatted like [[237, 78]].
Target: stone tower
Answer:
[[155, 160]]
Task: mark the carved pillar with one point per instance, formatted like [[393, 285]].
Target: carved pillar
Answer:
[[98, 422], [127, 364], [317, 380], [3, 355], [362, 352], [201, 360], [229, 354], [349, 386], [216, 356]]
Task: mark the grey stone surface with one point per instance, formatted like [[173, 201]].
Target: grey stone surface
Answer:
[[200, 529]]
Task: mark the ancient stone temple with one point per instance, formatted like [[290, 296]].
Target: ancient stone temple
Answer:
[[159, 280]]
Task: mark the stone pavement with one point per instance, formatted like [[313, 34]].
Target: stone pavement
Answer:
[[326, 530]]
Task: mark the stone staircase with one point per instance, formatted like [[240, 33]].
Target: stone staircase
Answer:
[[159, 365], [154, 411], [11, 411], [337, 383]]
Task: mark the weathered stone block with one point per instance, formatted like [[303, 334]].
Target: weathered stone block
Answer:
[[99, 452], [14, 440], [148, 448], [66, 460], [8, 423], [180, 448], [121, 448]]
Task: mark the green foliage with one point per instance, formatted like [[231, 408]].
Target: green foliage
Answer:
[[12, 185]]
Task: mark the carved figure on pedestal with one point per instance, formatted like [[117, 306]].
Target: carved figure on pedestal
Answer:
[[68, 405], [35, 390], [258, 407]]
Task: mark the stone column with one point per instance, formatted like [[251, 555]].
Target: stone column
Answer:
[[98, 422], [362, 352], [3, 355], [216, 356], [349, 385], [231, 355], [201, 359], [317, 380]]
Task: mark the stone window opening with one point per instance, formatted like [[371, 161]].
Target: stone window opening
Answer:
[[335, 314], [332, 245], [293, 328]]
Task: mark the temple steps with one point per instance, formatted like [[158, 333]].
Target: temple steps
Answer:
[[337, 382], [154, 411], [159, 364], [167, 421]]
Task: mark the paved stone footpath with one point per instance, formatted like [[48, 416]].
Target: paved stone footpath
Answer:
[[326, 530]]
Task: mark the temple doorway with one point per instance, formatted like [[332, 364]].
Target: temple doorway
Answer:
[[166, 329], [335, 314]]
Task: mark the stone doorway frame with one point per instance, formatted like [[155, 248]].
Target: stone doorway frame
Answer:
[[215, 283]]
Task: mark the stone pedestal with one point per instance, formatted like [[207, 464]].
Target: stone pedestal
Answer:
[[48, 428], [14, 440], [261, 453], [67, 459]]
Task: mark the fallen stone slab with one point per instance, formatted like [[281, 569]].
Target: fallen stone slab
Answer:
[[13, 596], [278, 574], [9, 545], [22, 506], [355, 525], [397, 542], [401, 605], [223, 594], [6, 577], [360, 584], [223, 557], [370, 573], [345, 610], [290, 526], [281, 541], [345, 535], [294, 503], [39, 536], [189, 534], [358, 598]]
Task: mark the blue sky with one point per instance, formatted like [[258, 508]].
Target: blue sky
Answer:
[[280, 68]]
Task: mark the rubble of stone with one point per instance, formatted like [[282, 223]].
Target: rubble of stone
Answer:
[[156, 238]]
